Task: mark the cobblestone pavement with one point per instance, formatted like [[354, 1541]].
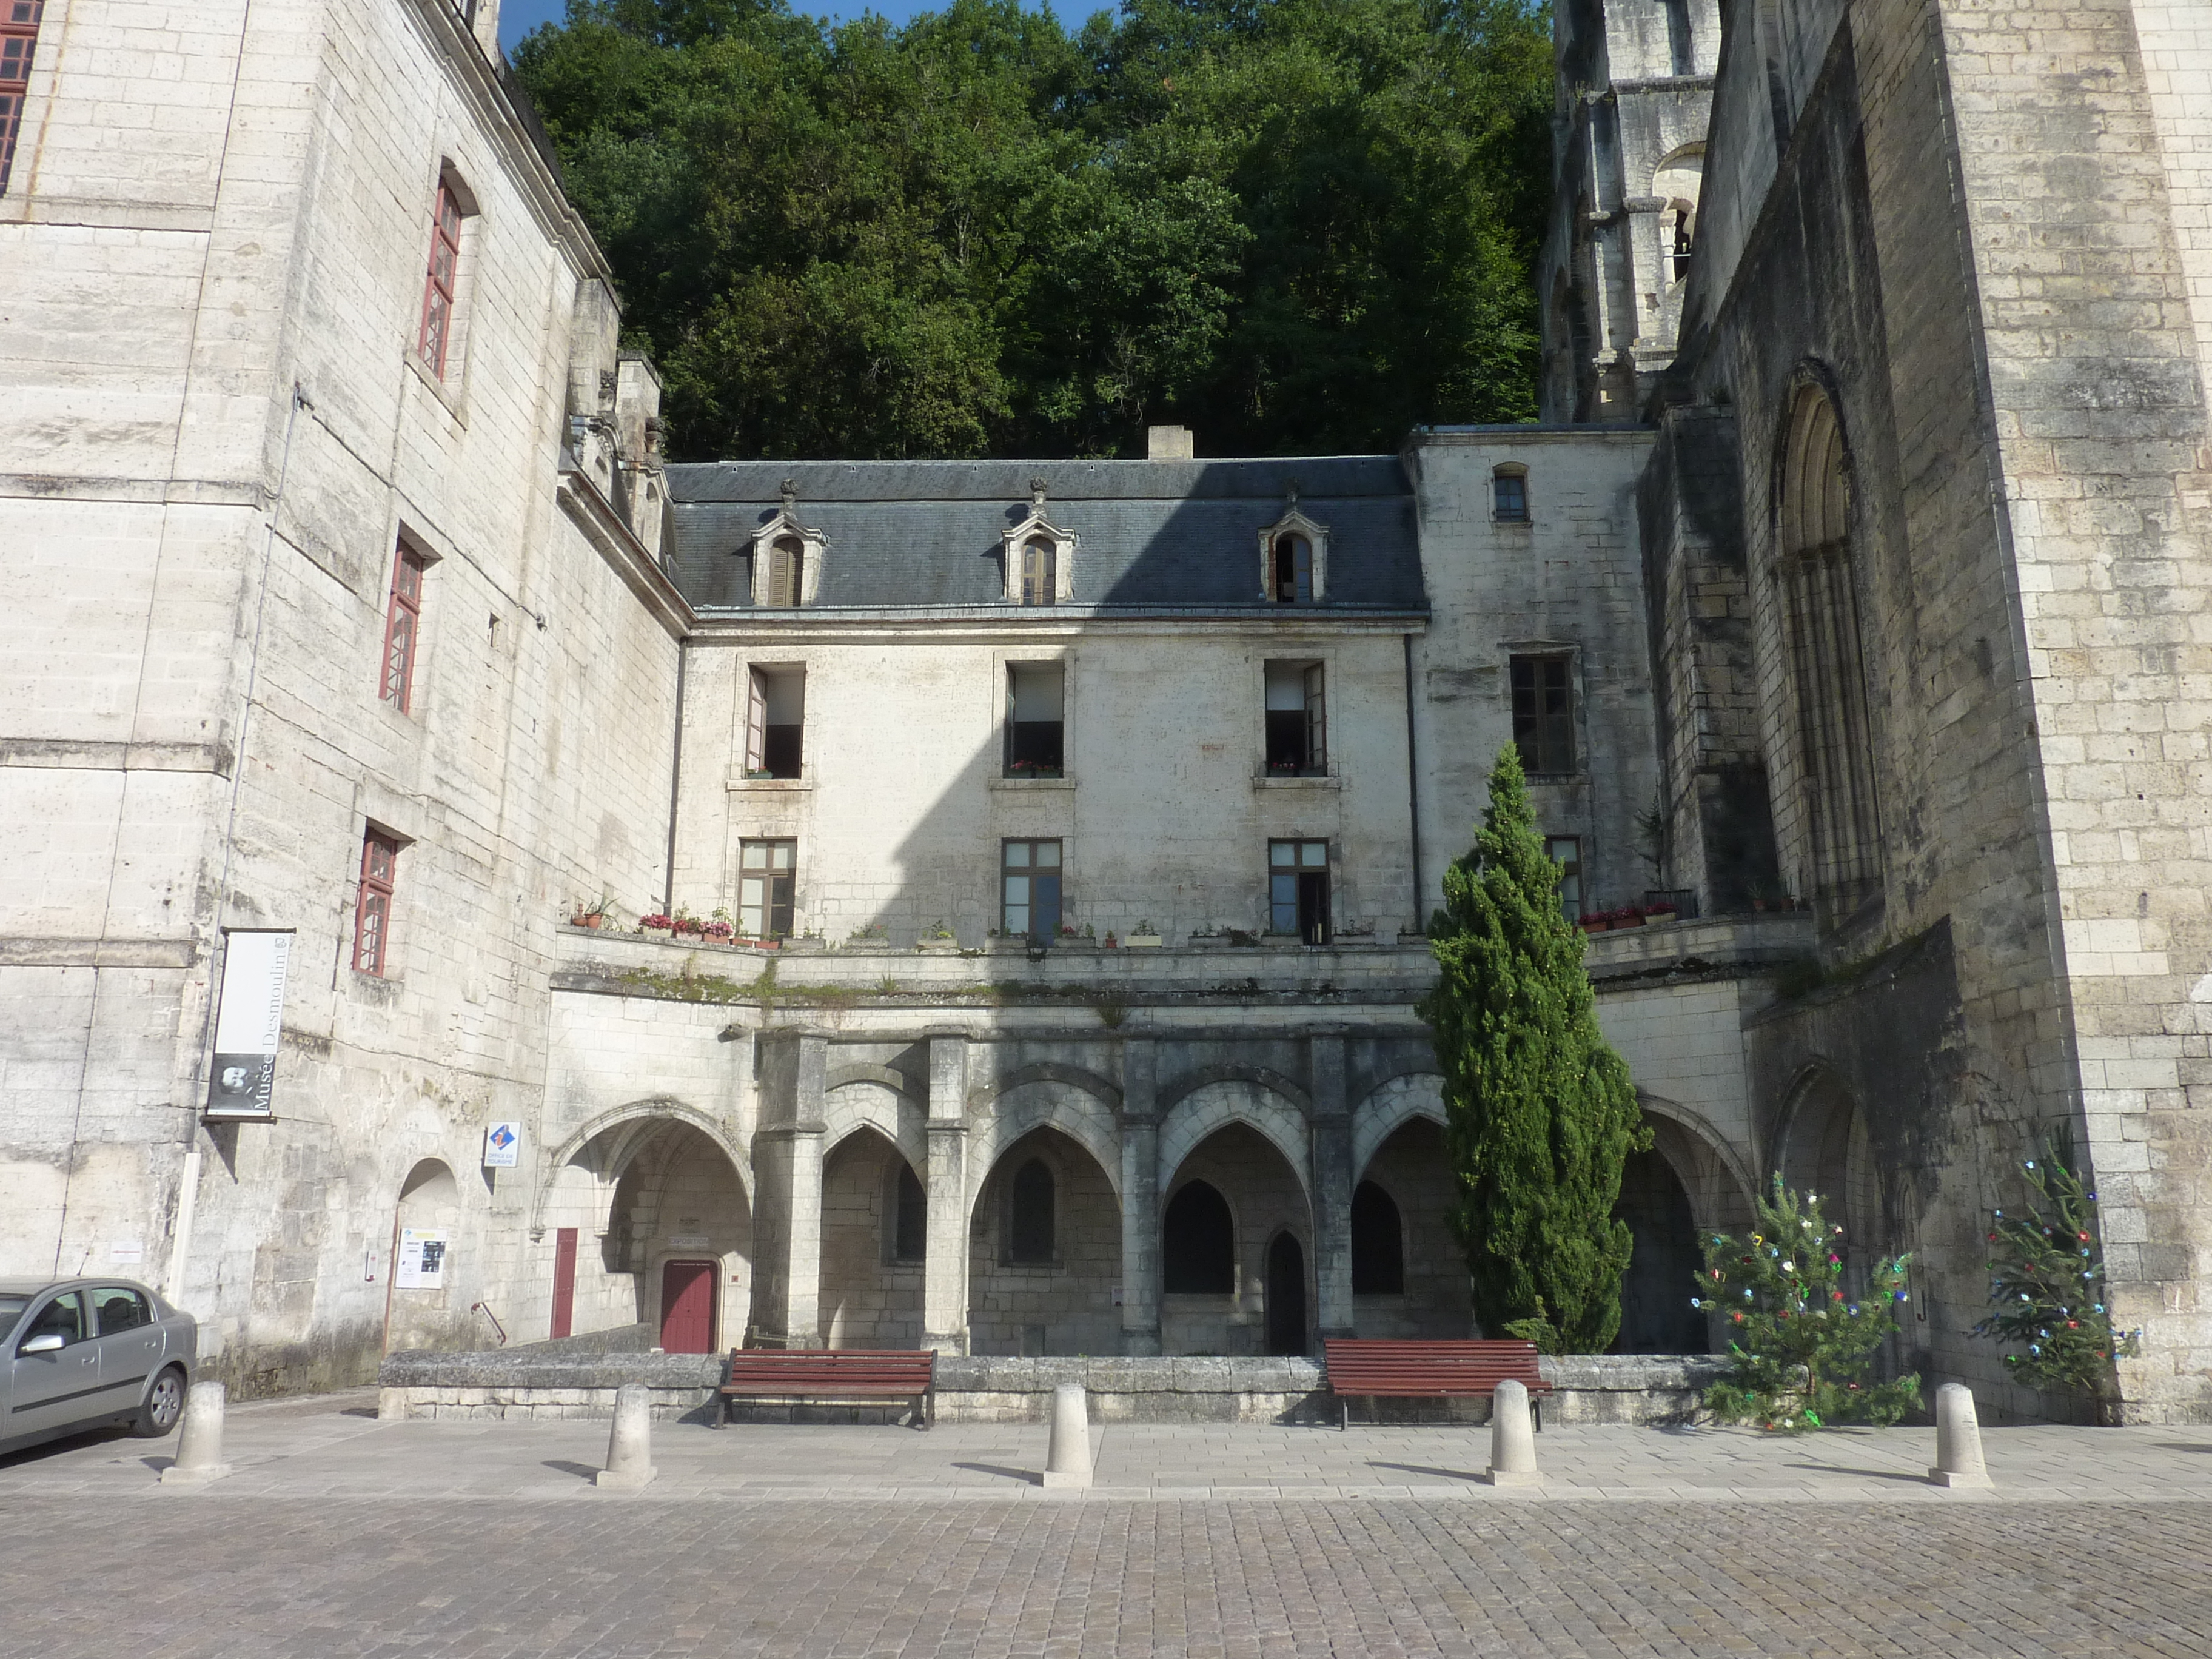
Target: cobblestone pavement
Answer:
[[242, 1578], [344, 1537]]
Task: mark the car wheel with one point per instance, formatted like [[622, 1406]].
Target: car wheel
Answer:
[[165, 1404]]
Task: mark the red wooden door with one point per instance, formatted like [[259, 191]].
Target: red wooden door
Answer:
[[564, 1281], [687, 1307]]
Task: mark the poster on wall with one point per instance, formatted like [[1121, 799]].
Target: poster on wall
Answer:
[[502, 1146], [249, 1019], [422, 1259]]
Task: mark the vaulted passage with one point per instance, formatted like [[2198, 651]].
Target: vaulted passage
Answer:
[[1236, 1250], [1045, 1253], [1408, 1271], [873, 1235]]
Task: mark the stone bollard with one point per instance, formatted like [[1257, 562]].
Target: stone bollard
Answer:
[[199, 1443], [630, 1447], [1067, 1462], [1958, 1439], [1512, 1442]]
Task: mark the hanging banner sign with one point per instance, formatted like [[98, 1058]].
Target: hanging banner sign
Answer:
[[249, 1018], [502, 1146], [422, 1259]]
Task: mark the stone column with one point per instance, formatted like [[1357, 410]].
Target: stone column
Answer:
[[787, 1190], [1333, 1179], [945, 1265], [1140, 1200]]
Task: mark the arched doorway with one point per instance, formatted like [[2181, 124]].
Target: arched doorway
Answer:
[[1655, 1311], [1286, 1295], [875, 1233], [1044, 1252], [1407, 1188], [1234, 1181], [424, 1307], [674, 1250]]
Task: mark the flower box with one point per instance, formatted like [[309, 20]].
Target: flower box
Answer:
[[1141, 942], [1594, 925], [657, 933]]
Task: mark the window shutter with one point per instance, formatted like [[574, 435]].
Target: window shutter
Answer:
[[1316, 721], [756, 722]]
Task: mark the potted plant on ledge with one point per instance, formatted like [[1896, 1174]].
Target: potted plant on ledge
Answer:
[[937, 939], [659, 925], [1141, 938]]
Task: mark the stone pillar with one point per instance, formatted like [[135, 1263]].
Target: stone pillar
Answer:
[[945, 1265], [1140, 1200], [787, 1191], [1333, 1179]]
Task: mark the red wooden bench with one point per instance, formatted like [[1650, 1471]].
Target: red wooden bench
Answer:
[[832, 1374], [1428, 1370]]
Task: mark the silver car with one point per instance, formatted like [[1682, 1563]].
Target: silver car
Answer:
[[80, 1353]]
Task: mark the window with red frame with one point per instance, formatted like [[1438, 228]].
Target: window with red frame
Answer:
[[438, 287], [372, 915], [402, 624], [19, 35]]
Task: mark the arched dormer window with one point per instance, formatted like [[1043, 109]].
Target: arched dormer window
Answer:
[[1509, 493], [1040, 556], [1294, 558], [1040, 571], [1817, 570], [787, 558], [786, 571]]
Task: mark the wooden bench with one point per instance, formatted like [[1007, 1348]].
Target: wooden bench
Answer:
[[1428, 1370], [832, 1374]]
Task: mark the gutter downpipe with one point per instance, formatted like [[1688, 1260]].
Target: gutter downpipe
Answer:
[[675, 785], [1412, 787]]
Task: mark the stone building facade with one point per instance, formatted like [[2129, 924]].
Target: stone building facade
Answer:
[[1067, 828]]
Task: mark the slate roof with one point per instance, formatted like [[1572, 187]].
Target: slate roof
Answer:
[[1179, 535]]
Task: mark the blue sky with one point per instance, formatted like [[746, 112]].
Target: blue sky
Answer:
[[518, 17]]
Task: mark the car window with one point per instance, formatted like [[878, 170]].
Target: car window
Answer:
[[115, 1309], [11, 1309], [66, 1314]]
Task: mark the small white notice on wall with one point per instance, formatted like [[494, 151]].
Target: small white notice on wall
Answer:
[[502, 1146], [422, 1259], [127, 1250]]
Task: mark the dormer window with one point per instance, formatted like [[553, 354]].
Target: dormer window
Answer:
[[1294, 558], [1291, 581], [1040, 571], [1040, 556], [787, 558], [1508, 494]]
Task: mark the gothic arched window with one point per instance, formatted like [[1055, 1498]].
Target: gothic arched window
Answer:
[[1198, 1243], [1378, 1243], [1827, 665], [1029, 1214]]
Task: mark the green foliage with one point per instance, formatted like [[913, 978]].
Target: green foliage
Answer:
[[1294, 225], [2047, 1283], [1542, 1114], [1802, 1344]]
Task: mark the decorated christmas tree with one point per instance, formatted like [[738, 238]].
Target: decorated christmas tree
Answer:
[[1541, 1110], [1802, 1344], [2047, 1286]]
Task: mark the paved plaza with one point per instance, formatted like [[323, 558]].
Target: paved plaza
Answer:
[[341, 1535]]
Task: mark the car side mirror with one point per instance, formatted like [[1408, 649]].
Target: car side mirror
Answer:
[[43, 1342]]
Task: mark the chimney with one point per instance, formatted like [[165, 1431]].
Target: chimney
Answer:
[[1170, 443]]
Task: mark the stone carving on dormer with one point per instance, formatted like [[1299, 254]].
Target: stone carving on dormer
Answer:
[[1294, 556], [1039, 561], [786, 556]]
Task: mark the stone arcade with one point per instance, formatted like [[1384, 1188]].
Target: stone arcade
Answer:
[[1860, 562]]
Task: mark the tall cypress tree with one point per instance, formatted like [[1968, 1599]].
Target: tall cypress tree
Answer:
[[1542, 1113]]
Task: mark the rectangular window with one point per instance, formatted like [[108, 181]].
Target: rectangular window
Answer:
[[1040, 571], [19, 37], [401, 624], [1509, 491], [1297, 720], [372, 915], [776, 711], [1036, 719], [1297, 890], [765, 873], [1566, 851], [438, 286], [1028, 883], [1544, 714]]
